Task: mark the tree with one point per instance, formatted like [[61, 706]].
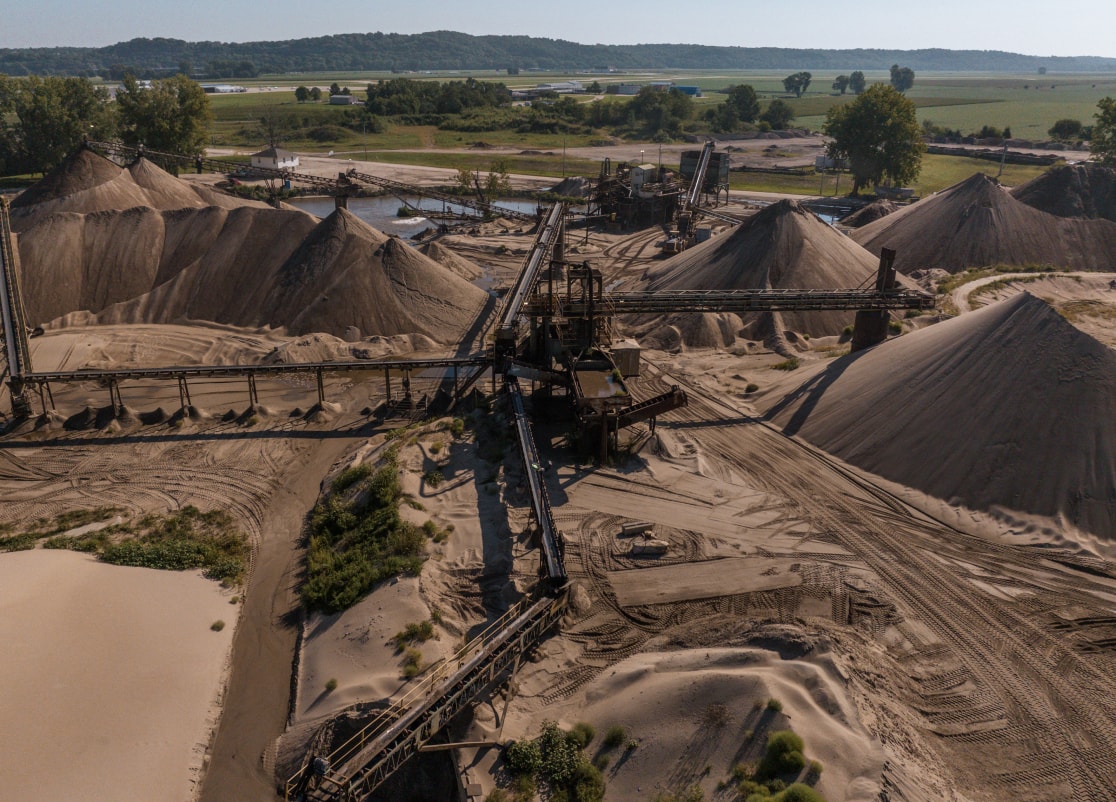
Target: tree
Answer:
[[315, 93], [778, 114], [1066, 129], [902, 78], [742, 98], [856, 82], [594, 88], [662, 111], [841, 83], [334, 89], [44, 119], [173, 115], [1103, 143], [879, 135], [797, 83], [302, 94]]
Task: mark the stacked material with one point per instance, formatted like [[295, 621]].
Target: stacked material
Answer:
[[137, 245], [978, 223], [785, 246], [1078, 190], [1010, 406]]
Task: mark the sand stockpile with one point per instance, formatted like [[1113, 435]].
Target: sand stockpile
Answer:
[[244, 266], [1079, 190], [463, 267], [876, 210], [977, 223], [1009, 406], [785, 246], [86, 182]]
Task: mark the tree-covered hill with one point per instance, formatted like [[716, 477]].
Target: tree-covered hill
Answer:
[[447, 50]]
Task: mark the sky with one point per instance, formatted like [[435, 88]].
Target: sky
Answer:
[[1033, 27]]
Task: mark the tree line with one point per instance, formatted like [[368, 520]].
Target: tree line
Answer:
[[448, 50], [42, 120]]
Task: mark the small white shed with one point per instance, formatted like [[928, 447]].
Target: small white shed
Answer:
[[275, 159]]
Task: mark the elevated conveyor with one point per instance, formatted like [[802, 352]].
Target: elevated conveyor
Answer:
[[549, 234]]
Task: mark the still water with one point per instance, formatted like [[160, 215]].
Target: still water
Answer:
[[380, 213]]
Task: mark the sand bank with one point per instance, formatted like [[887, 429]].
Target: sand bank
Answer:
[[112, 677]]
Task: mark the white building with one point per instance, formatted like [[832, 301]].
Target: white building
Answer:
[[275, 159]]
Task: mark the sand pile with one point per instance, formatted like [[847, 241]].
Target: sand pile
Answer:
[[977, 223], [463, 267], [137, 245], [86, 182], [340, 275], [575, 186], [876, 210], [1079, 190], [785, 246], [1009, 406]]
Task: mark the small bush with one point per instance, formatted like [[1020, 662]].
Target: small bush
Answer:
[[774, 705], [497, 795], [217, 625], [457, 427], [751, 388], [350, 476], [797, 792], [433, 478], [415, 632], [582, 734], [412, 663], [783, 756], [787, 364], [523, 757], [614, 736], [331, 685], [436, 447], [632, 745], [601, 761], [894, 326]]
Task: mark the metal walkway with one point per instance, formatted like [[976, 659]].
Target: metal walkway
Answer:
[[753, 301], [507, 330], [357, 767]]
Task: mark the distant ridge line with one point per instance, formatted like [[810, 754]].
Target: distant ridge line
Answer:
[[448, 50]]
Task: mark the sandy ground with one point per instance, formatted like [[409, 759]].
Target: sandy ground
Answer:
[[923, 650], [93, 653]]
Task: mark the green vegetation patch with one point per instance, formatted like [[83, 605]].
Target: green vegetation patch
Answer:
[[358, 539], [186, 540], [556, 759]]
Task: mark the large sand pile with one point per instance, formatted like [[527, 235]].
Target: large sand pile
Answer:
[[785, 246], [977, 223], [86, 182], [1010, 406], [137, 245], [466, 268], [1079, 190], [876, 210]]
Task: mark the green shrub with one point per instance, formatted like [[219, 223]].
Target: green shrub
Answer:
[[412, 663], [523, 758], [774, 705], [582, 733], [691, 794], [436, 447], [331, 685], [632, 745], [751, 388], [815, 771], [497, 795], [457, 427], [415, 632], [798, 792], [350, 476], [217, 625], [560, 755], [615, 736], [894, 326], [601, 761], [433, 478], [787, 364], [783, 756], [587, 783]]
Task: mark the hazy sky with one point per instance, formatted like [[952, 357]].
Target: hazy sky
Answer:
[[1034, 27]]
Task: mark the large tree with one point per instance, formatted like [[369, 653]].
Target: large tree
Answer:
[[879, 135], [857, 82], [841, 83], [171, 115], [778, 114], [902, 78], [797, 82], [742, 98], [1103, 142], [43, 119]]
